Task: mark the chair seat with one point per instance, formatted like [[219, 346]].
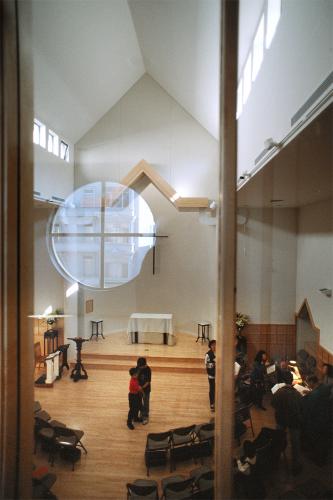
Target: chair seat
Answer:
[[145, 482], [157, 445], [46, 432], [171, 479], [69, 441], [78, 434], [37, 406], [43, 415], [56, 423], [142, 489], [199, 471], [178, 439]]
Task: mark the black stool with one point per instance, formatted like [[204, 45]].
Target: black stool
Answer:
[[97, 328], [203, 332], [50, 339]]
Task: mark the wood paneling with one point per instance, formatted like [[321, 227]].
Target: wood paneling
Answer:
[[279, 341], [16, 258], [324, 356]]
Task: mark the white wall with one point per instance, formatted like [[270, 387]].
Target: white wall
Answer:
[[147, 123], [52, 176], [298, 60], [266, 265], [315, 265], [49, 284]]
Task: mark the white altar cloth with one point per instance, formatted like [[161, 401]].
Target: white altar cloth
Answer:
[[149, 328]]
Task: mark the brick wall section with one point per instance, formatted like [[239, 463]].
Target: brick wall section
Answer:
[[279, 341]]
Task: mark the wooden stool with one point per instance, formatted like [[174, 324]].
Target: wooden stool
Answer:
[[97, 328], [203, 332]]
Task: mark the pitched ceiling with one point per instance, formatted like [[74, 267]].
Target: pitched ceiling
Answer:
[[89, 53]]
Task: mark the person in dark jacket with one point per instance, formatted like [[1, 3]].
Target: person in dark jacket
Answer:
[[317, 420], [144, 378], [288, 415], [257, 378], [210, 368]]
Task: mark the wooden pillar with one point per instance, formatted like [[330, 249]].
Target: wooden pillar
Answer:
[[16, 260], [225, 349]]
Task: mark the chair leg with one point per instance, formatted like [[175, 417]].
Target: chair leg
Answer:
[[80, 444]]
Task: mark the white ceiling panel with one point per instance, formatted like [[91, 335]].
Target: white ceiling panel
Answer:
[[179, 40], [86, 57], [89, 53]]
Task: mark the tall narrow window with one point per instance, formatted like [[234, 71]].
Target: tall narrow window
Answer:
[[239, 98], [258, 49], [247, 80], [64, 151], [53, 143], [39, 133], [273, 17]]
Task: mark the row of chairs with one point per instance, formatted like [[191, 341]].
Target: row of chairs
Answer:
[[183, 443], [198, 486], [55, 437]]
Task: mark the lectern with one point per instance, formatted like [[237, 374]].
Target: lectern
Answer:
[[78, 368], [52, 367]]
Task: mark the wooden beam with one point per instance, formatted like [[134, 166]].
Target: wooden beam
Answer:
[[16, 256], [225, 349], [143, 169]]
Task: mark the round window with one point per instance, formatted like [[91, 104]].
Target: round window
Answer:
[[101, 235]]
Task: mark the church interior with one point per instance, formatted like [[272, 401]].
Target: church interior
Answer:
[[129, 127]]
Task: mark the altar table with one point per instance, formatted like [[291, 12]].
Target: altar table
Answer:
[[147, 328]]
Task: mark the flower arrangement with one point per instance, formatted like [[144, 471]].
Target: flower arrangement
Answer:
[[241, 321]]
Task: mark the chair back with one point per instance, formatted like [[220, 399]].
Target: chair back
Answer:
[[38, 353], [185, 486], [183, 435], [206, 431], [158, 441], [136, 491]]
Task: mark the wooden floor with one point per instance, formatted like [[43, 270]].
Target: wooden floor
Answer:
[[99, 407]]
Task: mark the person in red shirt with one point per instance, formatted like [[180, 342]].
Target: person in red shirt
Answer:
[[134, 398]]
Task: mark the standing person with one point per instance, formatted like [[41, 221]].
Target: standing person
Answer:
[[210, 367], [257, 378], [134, 398], [288, 415], [144, 379]]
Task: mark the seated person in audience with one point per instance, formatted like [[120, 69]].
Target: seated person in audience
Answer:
[[283, 369], [134, 398], [317, 420], [327, 374], [258, 378]]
